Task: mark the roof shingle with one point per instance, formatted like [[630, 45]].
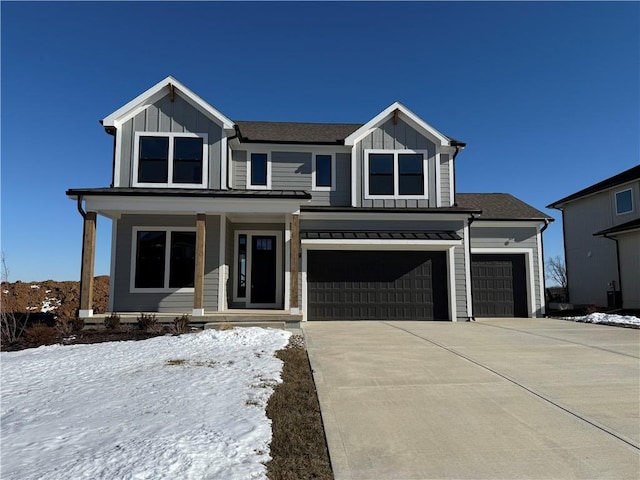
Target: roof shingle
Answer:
[[292, 132], [500, 206]]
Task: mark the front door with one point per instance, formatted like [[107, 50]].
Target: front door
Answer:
[[263, 269]]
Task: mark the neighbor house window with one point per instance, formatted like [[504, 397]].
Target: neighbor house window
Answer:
[[258, 172], [624, 202], [164, 259], [395, 174], [170, 159], [323, 172]]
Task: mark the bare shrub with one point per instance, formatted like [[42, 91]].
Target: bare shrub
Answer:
[[225, 326], [12, 322], [112, 321], [64, 327], [556, 271], [146, 321], [40, 334], [77, 324], [181, 324]]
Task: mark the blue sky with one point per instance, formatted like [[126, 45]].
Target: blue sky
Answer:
[[546, 95]]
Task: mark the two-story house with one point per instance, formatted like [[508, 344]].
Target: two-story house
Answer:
[[601, 226], [318, 221]]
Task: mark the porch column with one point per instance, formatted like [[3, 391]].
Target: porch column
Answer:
[[86, 268], [198, 282], [295, 254]]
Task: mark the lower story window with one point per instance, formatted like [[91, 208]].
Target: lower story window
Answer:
[[164, 259]]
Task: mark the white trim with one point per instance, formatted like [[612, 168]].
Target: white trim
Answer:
[[356, 215], [303, 279], [316, 188], [406, 115], [117, 161], [167, 259], [396, 174], [354, 156], [541, 295], [615, 198], [170, 162], [438, 180], [342, 244], [224, 151], [279, 267], [85, 313], [250, 186], [479, 223], [237, 146], [287, 262], [222, 265], [467, 271], [197, 312], [112, 267], [452, 192], [452, 294], [531, 298], [157, 92]]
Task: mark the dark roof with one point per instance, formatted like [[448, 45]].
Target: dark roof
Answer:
[[389, 235], [442, 210], [622, 228], [291, 132], [499, 206], [189, 192], [627, 176]]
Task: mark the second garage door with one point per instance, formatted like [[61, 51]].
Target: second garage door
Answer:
[[499, 285], [376, 285]]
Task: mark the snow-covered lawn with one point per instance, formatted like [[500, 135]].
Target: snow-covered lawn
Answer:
[[606, 318], [186, 407]]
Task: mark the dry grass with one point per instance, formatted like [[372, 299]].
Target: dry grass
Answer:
[[298, 448]]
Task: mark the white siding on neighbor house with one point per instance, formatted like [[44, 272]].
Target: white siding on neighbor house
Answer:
[[125, 301], [167, 116], [509, 238], [395, 137], [629, 250]]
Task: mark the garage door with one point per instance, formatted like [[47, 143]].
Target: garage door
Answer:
[[499, 286], [375, 285]]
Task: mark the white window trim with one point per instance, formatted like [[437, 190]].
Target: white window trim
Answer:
[[396, 177], [167, 260], [250, 234], [615, 195], [170, 183], [323, 188], [250, 186]]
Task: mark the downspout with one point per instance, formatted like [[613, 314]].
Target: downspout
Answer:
[[544, 276], [471, 317], [229, 159], [80, 209], [619, 277], [453, 164]]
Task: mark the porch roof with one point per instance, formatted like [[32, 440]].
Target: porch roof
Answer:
[[389, 235], [188, 192]]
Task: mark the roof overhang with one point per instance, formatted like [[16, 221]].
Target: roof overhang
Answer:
[[628, 227], [165, 87]]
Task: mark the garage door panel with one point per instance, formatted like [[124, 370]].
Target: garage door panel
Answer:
[[499, 285], [377, 285]]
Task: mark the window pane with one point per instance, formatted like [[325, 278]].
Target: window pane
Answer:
[[183, 259], [380, 174], [624, 202], [258, 169], [187, 160], [410, 163], [150, 259], [411, 176], [323, 170], [381, 185], [242, 266], [411, 185], [153, 160]]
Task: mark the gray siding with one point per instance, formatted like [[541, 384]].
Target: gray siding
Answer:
[[291, 170], [239, 166], [395, 137], [167, 116], [506, 238], [629, 245], [445, 187], [125, 301]]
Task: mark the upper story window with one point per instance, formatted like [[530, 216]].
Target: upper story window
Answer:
[[624, 202], [259, 171], [395, 174], [170, 160], [323, 172]]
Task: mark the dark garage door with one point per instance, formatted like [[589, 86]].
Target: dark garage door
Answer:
[[374, 285], [499, 286]]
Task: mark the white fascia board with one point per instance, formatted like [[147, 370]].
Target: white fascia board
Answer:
[[287, 147], [109, 206], [155, 93], [399, 217], [479, 222], [365, 244], [406, 115]]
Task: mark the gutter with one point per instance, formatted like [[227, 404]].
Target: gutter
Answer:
[[471, 317], [80, 209], [544, 274]]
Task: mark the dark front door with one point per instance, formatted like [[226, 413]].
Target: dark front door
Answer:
[[263, 269], [375, 285], [499, 285]]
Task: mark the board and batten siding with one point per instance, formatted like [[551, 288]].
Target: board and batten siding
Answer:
[[508, 238], [395, 137], [629, 250], [166, 302], [171, 117]]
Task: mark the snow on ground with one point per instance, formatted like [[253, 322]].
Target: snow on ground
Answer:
[[188, 407], [606, 318]]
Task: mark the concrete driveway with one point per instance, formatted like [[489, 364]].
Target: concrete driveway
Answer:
[[498, 398]]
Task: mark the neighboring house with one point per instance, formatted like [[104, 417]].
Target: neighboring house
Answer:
[[601, 225], [319, 221]]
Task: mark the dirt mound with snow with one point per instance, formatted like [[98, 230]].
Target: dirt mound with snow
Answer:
[[51, 298]]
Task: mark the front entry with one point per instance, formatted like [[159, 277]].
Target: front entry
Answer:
[[263, 269]]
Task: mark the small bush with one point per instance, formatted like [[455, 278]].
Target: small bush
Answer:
[[225, 326], [146, 321], [64, 327], [181, 325], [112, 321], [40, 334], [77, 324]]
